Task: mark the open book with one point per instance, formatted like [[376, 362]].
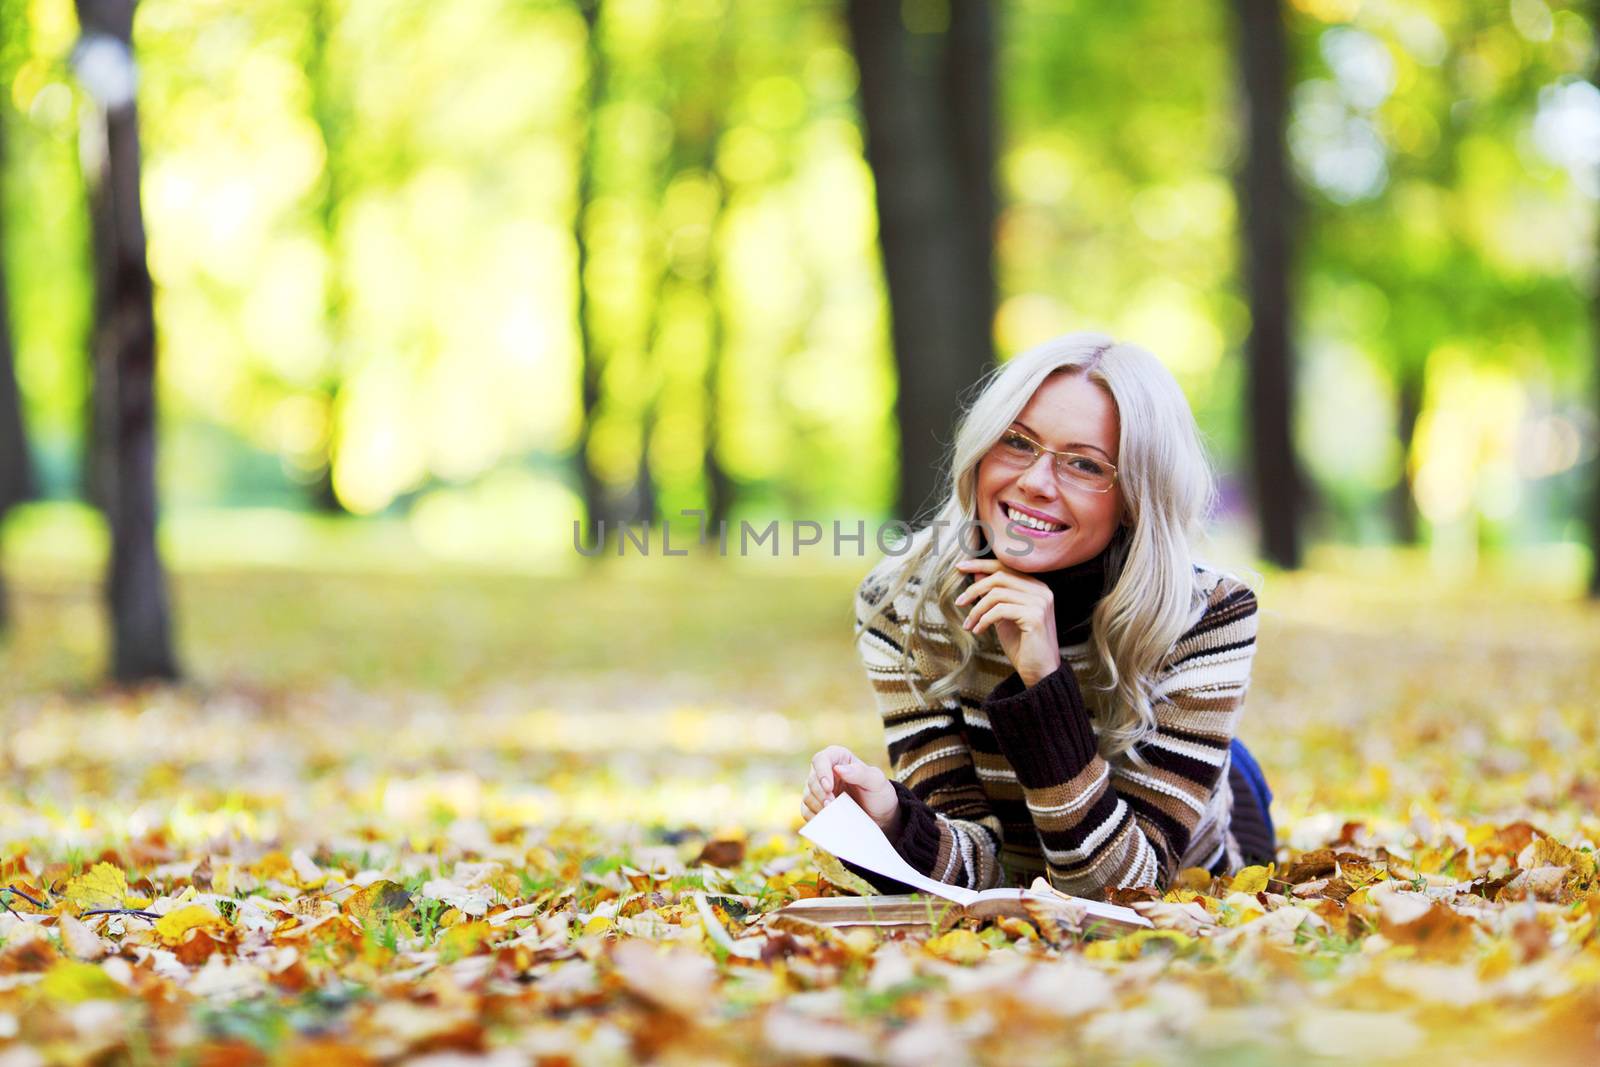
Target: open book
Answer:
[[849, 833]]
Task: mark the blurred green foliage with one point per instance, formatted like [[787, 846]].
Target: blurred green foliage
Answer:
[[362, 228]]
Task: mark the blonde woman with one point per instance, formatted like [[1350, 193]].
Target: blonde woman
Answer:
[[1068, 703]]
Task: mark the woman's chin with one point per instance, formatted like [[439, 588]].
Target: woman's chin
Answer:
[[1023, 554]]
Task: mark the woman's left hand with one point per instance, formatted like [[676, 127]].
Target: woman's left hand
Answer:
[[1022, 611]]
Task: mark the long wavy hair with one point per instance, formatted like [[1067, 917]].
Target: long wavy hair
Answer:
[[1168, 491]]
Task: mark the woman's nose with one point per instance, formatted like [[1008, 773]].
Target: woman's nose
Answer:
[[1040, 477]]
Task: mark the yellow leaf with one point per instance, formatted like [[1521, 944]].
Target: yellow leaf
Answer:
[[860, 943], [1131, 946], [101, 886], [1252, 879], [1547, 852], [840, 875], [465, 939], [70, 981], [597, 924], [173, 925], [273, 865], [957, 946], [1017, 929], [1244, 908], [378, 901]]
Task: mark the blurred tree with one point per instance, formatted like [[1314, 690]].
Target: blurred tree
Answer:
[[1591, 11], [718, 486], [123, 347], [597, 504], [1266, 206], [687, 332], [16, 469], [927, 101], [331, 114]]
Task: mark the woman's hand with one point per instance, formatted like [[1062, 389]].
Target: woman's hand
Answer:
[[836, 770], [1022, 611]]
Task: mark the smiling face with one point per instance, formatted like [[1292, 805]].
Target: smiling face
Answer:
[[1066, 412]]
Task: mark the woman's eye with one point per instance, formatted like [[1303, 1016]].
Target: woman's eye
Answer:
[[1085, 465], [1016, 443]]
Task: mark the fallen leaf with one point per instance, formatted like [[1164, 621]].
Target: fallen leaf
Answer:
[[381, 900], [958, 946], [840, 875], [80, 942], [722, 853], [72, 981], [1252, 879], [173, 925], [679, 980], [101, 886]]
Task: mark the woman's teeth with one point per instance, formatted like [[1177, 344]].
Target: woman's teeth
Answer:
[[1023, 519]]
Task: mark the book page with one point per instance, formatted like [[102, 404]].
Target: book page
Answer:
[[1098, 909], [843, 829]]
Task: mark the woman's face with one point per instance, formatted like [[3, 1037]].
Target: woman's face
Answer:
[[1067, 412]]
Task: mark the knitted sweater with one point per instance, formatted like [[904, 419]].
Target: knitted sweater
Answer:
[[1002, 782]]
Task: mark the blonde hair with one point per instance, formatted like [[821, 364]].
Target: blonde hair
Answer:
[[1168, 490]]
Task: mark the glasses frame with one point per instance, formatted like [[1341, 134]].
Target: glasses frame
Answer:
[[1040, 450]]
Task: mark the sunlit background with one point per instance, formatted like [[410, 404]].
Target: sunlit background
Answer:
[[434, 282], [362, 229]]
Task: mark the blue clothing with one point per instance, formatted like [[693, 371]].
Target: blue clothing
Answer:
[[1247, 771]]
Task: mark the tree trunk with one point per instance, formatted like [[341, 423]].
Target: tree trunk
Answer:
[[1266, 206], [719, 488], [597, 504], [1592, 10], [332, 121], [927, 105], [16, 469], [1594, 465], [123, 345], [1403, 502]]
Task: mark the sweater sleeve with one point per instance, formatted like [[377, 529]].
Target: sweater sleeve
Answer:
[[948, 832], [1129, 823]]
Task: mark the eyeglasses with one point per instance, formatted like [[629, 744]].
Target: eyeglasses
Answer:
[[1017, 450]]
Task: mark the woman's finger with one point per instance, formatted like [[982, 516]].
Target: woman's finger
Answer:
[[1001, 611], [1032, 606], [814, 793], [822, 764], [1002, 581]]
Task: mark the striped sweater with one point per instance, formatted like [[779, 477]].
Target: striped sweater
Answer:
[[1002, 782]]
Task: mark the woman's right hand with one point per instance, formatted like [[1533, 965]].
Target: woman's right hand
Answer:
[[836, 769]]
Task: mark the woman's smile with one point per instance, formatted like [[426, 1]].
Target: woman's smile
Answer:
[[1033, 523]]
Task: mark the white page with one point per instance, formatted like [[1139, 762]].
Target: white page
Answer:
[[843, 829]]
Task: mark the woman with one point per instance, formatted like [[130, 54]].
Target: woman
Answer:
[[1068, 705]]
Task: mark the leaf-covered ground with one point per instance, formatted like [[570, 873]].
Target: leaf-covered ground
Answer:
[[455, 818]]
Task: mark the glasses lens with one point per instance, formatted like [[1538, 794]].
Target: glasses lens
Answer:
[[1014, 448], [1083, 470]]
